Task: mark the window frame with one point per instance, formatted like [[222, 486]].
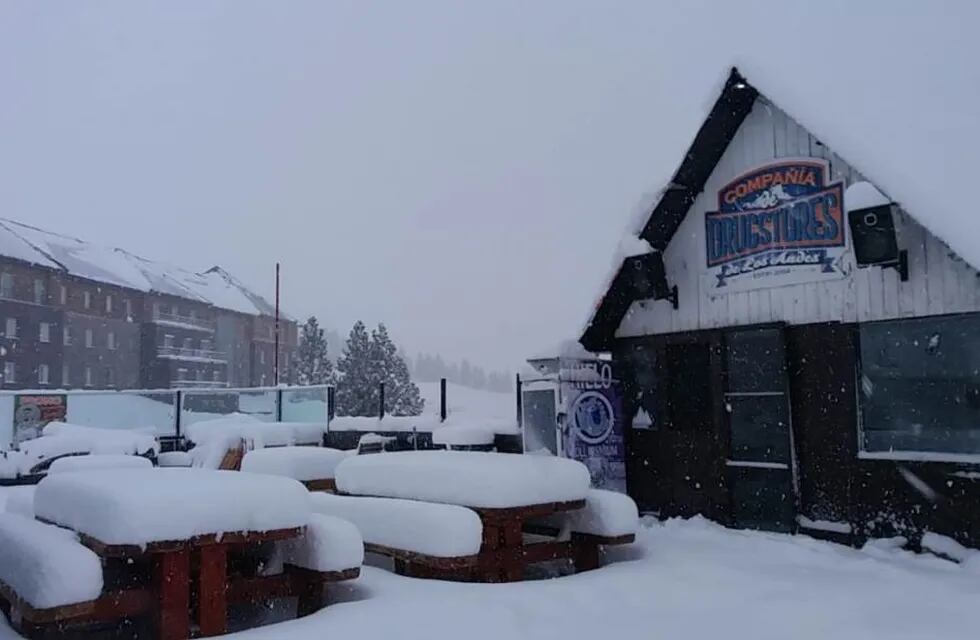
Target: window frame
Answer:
[[905, 455], [46, 378], [44, 332], [9, 372]]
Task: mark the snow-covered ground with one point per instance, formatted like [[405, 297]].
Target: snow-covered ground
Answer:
[[682, 580], [463, 401]]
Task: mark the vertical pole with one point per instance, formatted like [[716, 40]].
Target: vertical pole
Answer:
[[275, 357], [278, 405], [331, 403], [381, 400], [179, 400], [442, 399], [520, 400]]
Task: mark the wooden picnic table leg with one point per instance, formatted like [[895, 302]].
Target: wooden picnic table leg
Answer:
[[212, 597], [512, 539], [585, 553], [501, 554], [171, 578]]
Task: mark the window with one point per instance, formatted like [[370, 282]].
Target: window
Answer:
[[188, 344], [88, 376], [216, 376], [110, 340], [128, 305], [89, 338], [205, 345], [11, 327], [42, 374], [87, 299], [108, 304], [66, 335], [110, 378], [919, 386], [261, 357], [44, 332], [9, 373], [40, 293], [6, 285], [199, 375], [181, 375], [64, 295], [192, 314], [168, 341], [65, 381]]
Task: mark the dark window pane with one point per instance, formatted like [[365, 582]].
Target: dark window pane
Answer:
[[539, 420], [920, 385], [762, 498], [760, 428]]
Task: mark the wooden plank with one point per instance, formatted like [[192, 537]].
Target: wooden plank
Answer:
[[212, 610], [456, 562], [171, 578], [325, 484], [529, 511]]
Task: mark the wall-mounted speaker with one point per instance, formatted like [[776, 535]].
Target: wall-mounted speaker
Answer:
[[648, 278], [875, 243]]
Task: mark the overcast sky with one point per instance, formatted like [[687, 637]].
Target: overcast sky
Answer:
[[461, 171]]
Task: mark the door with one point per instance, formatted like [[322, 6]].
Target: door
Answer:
[[761, 469], [539, 417]]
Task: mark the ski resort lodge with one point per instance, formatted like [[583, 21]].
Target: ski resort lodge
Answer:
[[799, 345], [75, 315]]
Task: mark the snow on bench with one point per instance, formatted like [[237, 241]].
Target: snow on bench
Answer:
[[437, 530], [20, 500], [469, 478], [459, 436], [256, 434], [104, 441], [45, 566], [93, 462], [329, 545], [606, 514], [299, 463], [140, 506]]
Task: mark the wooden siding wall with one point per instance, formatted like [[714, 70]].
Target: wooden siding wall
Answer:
[[939, 281]]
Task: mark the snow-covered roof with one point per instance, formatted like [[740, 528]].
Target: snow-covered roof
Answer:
[[122, 268]]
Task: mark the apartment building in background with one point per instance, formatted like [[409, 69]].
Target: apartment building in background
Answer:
[[75, 315]]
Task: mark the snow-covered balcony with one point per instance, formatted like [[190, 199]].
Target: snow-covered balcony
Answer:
[[184, 322], [192, 355]]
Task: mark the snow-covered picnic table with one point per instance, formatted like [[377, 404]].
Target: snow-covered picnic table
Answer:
[[507, 492], [166, 514]]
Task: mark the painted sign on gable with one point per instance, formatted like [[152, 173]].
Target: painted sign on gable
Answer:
[[776, 225]]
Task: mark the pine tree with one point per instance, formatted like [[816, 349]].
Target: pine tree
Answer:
[[358, 378], [312, 364], [402, 397]]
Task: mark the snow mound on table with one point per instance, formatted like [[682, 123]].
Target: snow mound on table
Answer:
[[12, 495], [440, 530], [91, 463], [210, 453], [45, 565], [299, 463], [21, 501], [329, 544], [138, 506], [104, 441], [462, 435], [256, 434], [606, 513], [470, 478]]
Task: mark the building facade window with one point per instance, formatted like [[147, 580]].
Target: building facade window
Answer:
[[261, 356], [87, 299], [65, 380], [216, 375], [88, 376], [205, 344], [108, 303], [168, 341], [9, 373], [40, 292], [919, 385], [42, 374], [66, 336], [89, 338], [6, 285], [44, 332], [188, 344], [110, 340], [199, 375], [11, 328], [64, 295], [110, 377], [128, 306], [181, 375]]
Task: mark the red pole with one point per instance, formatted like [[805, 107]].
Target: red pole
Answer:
[[275, 373]]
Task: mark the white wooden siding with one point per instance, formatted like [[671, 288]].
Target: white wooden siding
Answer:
[[939, 281]]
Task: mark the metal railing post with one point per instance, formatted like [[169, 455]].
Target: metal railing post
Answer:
[[442, 400], [381, 401]]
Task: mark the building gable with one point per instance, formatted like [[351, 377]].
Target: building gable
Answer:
[[835, 289]]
